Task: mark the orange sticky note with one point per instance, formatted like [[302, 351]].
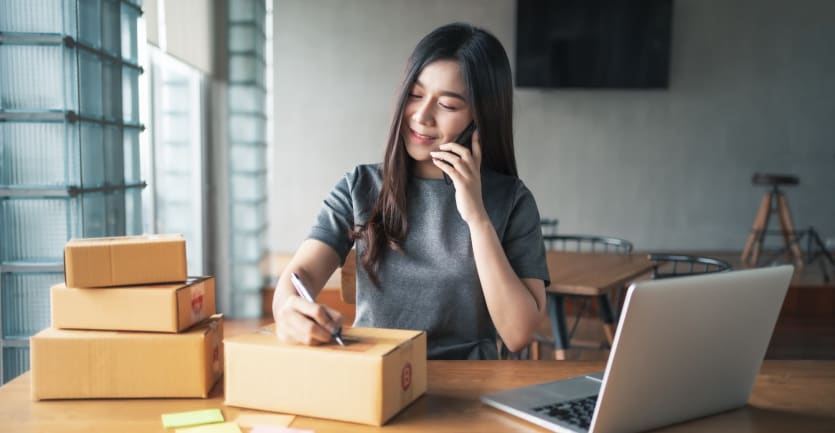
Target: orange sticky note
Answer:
[[271, 429], [254, 419], [224, 427]]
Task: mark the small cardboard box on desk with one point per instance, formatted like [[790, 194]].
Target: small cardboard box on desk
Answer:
[[377, 374]]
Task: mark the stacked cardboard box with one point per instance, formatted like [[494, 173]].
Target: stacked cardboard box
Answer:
[[128, 323]]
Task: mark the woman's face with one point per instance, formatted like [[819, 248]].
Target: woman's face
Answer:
[[436, 112]]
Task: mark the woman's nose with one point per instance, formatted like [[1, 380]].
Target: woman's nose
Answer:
[[423, 113]]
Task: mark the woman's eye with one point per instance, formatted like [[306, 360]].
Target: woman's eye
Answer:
[[448, 107], [414, 96]]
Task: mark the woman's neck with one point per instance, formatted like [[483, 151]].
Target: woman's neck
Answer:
[[426, 170]]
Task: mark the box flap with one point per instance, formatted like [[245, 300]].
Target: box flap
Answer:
[[122, 239], [363, 342]]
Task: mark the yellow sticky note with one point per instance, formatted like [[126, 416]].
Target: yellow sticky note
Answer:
[[254, 419], [224, 427], [196, 417]]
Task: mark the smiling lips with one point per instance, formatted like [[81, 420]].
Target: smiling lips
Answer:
[[420, 138]]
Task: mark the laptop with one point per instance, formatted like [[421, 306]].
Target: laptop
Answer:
[[685, 348]]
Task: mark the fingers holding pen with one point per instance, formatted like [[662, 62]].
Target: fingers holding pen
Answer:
[[305, 322], [302, 330], [327, 318], [291, 326]]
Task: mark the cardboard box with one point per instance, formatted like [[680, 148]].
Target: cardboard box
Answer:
[[117, 364], [379, 373], [157, 308], [125, 261]]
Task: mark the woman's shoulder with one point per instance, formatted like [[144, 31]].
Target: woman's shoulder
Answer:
[[364, 176], [502, 185], [373, 169]]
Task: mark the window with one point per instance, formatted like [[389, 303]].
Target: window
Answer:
[[69, 146]]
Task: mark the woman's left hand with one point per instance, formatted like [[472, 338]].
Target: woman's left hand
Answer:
[[464, 168]]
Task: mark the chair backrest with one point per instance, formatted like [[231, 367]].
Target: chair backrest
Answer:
[[679, 265], [587, 244], [549, 226], [348, 286]]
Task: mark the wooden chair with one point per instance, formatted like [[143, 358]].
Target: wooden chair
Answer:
[[679, 265], [549, 226], [556, 301], [587, 243]]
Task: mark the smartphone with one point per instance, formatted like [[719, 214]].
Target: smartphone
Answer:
[[465, 138]]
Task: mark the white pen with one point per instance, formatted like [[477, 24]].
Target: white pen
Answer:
[[305, 294]]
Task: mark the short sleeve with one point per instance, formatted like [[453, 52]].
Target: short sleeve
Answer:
[[335, 220], [522, 240]]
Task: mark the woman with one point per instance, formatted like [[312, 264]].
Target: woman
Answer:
[[462, 262]]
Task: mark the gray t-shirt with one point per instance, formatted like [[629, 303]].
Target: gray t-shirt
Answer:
[[432, 284]]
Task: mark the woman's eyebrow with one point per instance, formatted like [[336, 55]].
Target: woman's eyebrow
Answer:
[[445, 92]]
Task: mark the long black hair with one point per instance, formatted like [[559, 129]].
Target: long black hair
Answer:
[[485, 70]]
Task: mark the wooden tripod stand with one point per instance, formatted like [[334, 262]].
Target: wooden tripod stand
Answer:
[[774, 201]]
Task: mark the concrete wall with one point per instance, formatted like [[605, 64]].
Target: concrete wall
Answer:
[[751, 90], [186, 30], [194, 31]]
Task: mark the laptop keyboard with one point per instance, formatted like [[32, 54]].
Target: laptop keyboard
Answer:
[[577, 412]]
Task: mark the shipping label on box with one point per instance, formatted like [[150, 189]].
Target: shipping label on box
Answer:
[[154, 308], [69, 364], [125, 261], [375, 376]]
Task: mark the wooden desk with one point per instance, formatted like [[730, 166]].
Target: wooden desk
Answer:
[[588, 274], [787, 396], [571, 273], [593, 274]]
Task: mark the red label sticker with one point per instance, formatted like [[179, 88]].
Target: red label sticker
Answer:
[[196, 302], [406, 376]]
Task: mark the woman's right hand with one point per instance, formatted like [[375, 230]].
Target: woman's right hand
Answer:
[[298, 321]]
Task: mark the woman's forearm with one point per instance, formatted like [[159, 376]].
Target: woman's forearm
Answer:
[[516, 306]]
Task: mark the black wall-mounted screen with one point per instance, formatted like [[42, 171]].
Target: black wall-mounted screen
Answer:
[[593, 43]]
